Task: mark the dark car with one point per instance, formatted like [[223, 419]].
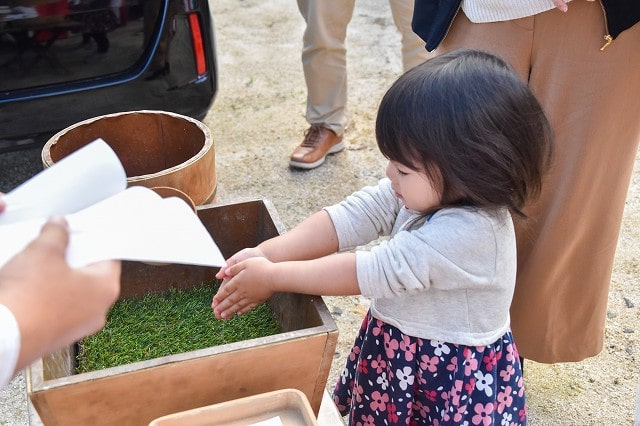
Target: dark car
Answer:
[[63, 61]]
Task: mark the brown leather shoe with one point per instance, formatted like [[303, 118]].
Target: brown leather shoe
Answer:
[[318, 142]]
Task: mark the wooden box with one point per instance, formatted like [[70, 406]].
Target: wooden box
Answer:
[[134, 394]]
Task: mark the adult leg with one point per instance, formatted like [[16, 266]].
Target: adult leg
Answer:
[[566, 253], [324, 61], [413, 51], [592, 99]]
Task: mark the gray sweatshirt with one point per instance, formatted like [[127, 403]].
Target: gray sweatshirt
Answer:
[[449, 278]]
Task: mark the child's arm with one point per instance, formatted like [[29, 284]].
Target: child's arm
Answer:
[[254, 280], [312, 238]]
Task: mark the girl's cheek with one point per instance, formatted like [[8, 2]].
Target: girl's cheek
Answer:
[[388, 172]]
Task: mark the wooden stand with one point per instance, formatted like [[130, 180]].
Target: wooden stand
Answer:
[[133, 394]]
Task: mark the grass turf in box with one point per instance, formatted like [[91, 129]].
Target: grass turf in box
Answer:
[[168, 323]]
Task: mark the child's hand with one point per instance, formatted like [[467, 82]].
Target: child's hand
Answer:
[[248, 287], [224, 272]]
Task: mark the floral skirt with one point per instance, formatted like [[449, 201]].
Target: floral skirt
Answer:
[[392, 378]]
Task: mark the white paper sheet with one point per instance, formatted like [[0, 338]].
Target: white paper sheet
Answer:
[[77, 181], [106, 221]]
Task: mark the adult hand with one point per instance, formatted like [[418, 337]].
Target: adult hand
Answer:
[[561, 5], [249, 286], [54, 304]]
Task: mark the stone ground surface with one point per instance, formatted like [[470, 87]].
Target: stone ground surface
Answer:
[[258, 118]]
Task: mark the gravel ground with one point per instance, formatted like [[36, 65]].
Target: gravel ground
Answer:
[[258, 118]]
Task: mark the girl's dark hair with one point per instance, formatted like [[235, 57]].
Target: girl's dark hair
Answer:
[[472, 123]]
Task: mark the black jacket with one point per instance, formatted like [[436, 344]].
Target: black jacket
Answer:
[[432, 18]]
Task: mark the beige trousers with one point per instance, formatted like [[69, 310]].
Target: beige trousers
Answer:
[[592, 98], [324, 56]]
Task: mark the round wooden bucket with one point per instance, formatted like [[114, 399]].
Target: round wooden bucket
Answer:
[[156, 149], [167, 191]]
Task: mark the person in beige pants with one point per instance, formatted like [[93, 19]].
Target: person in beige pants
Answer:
[[587, 79], [324, 60]]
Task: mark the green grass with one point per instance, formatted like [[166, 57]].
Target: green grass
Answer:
[[168, 323]]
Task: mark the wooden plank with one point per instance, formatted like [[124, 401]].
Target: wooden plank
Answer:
[[141, 396]]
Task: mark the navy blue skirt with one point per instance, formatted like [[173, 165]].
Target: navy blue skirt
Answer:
[[391, 378]]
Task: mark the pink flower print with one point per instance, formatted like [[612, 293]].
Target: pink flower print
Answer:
[[392, 413], [521, 387], [421, 379], [390, 345], [363, 366], [419, 407], [459, 414], [431, 395], [512, 353], [408, 348], [445, 397], [365, 323], [366, 421], [504, 399], [409, 415], [382, 381], [470, 365], [523, 413], [440, 347], [377, 329], [483, 414], [446, 416], [358, 391], [456, 392], [405, 377], [469, 387], [453, 365], [429, 364], [340, 407], [355, 352], [490, 360], [484, 382], [467, 352], [379, 364], [507, 373], [379, 401]]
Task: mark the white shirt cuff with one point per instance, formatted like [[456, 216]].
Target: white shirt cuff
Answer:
[[9, 345]]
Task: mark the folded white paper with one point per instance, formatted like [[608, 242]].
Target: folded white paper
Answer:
[[106, 220]]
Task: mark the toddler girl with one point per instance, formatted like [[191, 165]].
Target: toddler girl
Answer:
[[468, 145]]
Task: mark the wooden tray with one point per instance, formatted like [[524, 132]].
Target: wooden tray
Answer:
[[290, 407]]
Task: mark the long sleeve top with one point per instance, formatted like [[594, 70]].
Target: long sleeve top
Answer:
[[9, 345], [500, 10], [449, 277]]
